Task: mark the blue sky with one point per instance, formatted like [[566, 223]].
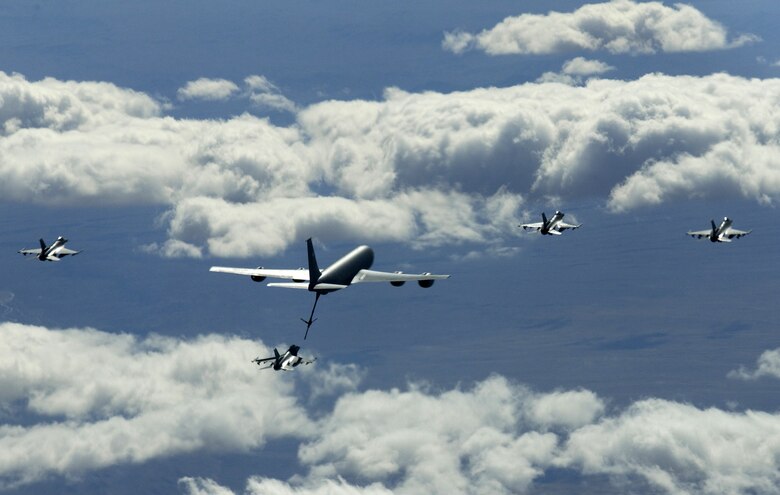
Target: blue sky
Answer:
[[163, 139]]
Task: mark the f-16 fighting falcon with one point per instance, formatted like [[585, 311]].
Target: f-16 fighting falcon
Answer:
[[284, 362], [724, 233], [553, 226], [51, 253], [353, 268]]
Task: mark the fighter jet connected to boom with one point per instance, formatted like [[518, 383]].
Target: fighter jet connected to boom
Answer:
[[283, 362], [353, 268], [722, 233], [553, 226], [51, 253]]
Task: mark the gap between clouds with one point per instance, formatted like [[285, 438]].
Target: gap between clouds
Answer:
[[619, 26], [422, 168], [101, 399]]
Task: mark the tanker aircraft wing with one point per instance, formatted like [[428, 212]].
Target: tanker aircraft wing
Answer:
[[352, 268]]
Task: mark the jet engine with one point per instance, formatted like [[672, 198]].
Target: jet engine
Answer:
[[425, 283], [257, 278], [398, 283]]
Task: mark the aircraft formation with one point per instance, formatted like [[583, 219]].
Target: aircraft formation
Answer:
[[355, 268]]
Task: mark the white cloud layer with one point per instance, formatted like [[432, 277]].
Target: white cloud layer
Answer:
[[264, 93], [499, 438], [107, 399], [421, 168], [580, 66], [91, 400], [258, 89], [768, 365], [207, 89], [575, 72], [619, 26]]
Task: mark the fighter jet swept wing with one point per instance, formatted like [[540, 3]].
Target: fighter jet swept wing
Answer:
[[722, 233], [50, 253], [283, 362], [553, 226]]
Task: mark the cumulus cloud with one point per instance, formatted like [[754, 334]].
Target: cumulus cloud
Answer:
[[580, 66], [264, 93], [768, 365], [575, 71], [339, 379], [426, 169], [619, 26], [260, 91], [207, 89], [202, 486], [499, 437], [378, 435], [89, 399], [269, 486], [107, 399], [678, 448]]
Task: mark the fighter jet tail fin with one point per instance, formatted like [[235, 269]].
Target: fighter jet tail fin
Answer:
[[544, 218], [43, 244], [276, 353]]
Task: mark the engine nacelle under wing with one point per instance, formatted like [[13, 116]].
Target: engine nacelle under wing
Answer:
[[398, 283], [257, 278], [425, 284]]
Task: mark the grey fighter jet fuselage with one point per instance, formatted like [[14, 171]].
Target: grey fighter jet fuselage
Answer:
[[50, 253], [553, 226], [722, 233], [283, 362]]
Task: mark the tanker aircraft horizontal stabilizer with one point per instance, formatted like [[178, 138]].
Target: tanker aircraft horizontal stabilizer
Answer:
[[353, 268], [283, 362], [51, 253], [722, 233], [553, 226]]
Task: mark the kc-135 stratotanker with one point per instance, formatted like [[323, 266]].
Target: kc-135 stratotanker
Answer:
[[352, 268]]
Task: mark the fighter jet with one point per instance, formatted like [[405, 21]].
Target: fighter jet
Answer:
[[353, 268], [724, 233], [284, 362], [553, 226], [51, 253]]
